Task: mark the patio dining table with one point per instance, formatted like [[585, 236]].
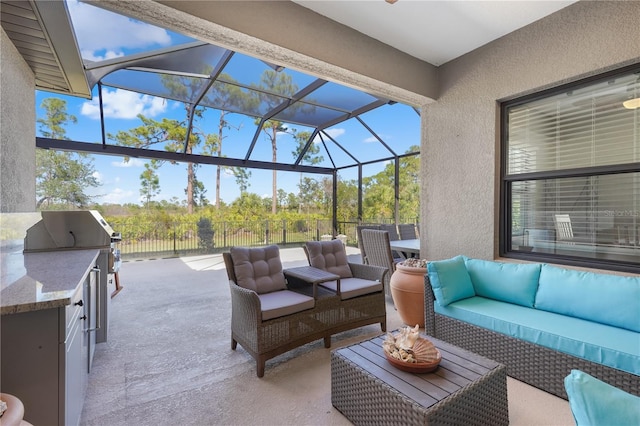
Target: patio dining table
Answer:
[[406, 247]]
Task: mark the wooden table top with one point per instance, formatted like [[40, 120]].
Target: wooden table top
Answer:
[[458, 369]]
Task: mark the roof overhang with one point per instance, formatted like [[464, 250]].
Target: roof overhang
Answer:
[[42, 32]]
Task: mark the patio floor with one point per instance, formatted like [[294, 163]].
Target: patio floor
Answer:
[[168, 359]]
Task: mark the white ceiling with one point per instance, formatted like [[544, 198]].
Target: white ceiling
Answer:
[[435, 31]]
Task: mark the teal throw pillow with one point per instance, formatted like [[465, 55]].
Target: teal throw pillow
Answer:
[[450, 280], [594, 402]]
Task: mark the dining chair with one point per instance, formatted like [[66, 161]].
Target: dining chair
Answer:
[[407, 231], [564, 231], [359, 229], [392, 229], [378, 249]]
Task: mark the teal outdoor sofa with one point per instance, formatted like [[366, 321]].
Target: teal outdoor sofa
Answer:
[[541, 321]]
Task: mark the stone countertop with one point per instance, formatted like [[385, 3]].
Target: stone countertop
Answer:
[[43, 280]]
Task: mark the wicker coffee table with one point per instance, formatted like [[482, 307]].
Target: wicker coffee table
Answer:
[[466, 389]]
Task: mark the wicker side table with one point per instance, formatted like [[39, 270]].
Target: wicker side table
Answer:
[[465, 389]]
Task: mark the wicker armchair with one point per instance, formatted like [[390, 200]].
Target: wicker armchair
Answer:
[[266, 323]]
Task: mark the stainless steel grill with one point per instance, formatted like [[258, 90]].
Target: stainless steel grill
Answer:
[[82, 229]]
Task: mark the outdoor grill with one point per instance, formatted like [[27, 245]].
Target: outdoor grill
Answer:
[[82, 229]]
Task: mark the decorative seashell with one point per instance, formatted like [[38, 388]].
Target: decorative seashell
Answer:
[[408, 337], [424, 351]]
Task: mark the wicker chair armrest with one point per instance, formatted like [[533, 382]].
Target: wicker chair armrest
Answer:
[[245, 304], [429, 313], [368, 272]]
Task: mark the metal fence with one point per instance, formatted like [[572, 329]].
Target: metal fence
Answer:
[[148, 239]]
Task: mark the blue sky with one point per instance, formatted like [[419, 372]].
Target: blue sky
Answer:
[[104, 35]]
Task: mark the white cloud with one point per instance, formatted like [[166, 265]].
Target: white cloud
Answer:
[[118, 196], [109, 54], [124, 104], [334, 133], [370, 139], [98, 176], [98, 29], [133, 162]]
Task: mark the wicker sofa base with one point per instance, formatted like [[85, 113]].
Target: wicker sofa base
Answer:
[[530, 363]]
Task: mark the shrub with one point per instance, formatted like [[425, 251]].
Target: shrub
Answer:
[[205, 234]]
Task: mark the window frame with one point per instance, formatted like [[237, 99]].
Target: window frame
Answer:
[[506, 181]]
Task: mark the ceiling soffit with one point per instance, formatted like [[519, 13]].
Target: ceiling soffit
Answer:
[[41, 31]]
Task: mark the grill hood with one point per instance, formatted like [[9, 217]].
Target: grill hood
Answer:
[[69, 230]]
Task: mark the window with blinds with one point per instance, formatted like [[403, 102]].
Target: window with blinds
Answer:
[[571, 182]]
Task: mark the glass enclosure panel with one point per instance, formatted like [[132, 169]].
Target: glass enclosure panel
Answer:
[[409, 185], [594, 217], [179, 88], [378, 194], [340, 97], [347, 200], [308, 114], [397, 125], [250, 71]]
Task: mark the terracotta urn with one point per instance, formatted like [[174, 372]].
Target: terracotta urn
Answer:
[[407, 290]]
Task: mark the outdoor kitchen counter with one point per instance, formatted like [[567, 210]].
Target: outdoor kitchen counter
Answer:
[[42, 280]]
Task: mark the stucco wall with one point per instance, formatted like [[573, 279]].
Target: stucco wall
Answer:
[[17, 131], [460, 146]]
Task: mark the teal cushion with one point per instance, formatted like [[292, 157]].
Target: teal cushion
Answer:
[[508, 282], [594, 402], [603, 344], [604, 298], [450, 280]]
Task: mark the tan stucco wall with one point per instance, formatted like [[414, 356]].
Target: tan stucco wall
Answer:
[[17, 131], [460, 146]]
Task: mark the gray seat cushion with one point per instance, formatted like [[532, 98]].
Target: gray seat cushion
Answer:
[[258, 269], [329, 256], [353, 287], [285, 302]]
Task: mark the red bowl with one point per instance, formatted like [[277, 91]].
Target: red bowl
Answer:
[[414, 367]]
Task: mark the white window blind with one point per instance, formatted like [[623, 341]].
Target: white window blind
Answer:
[[581, 128]]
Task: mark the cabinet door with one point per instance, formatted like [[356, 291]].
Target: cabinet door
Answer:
[[75, 374], [92, 322], [30, 355]]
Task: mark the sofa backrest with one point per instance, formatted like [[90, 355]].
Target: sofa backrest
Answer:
[[603, 298], [508, 282]]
